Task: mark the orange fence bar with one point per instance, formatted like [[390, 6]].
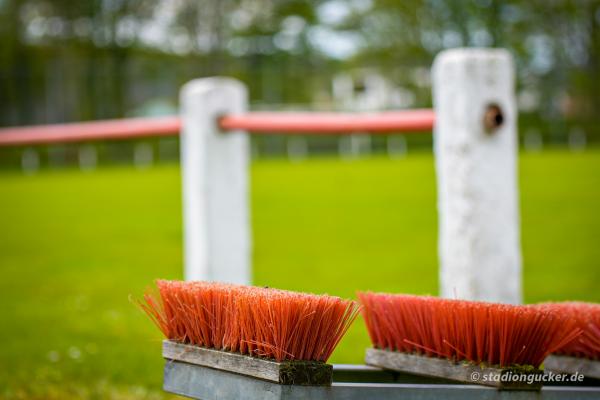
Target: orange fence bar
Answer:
[[331, 123], [253, 122], [116, 129]]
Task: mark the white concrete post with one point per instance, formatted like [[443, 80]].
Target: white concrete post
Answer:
[[475, 144], [215, 183]]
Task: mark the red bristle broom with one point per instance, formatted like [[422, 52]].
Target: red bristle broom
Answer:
[[492, 344], [582, 354], [277, 335]]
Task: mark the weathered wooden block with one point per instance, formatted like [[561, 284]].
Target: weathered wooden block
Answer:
[[501, 378], [285, 373], [571, 365]]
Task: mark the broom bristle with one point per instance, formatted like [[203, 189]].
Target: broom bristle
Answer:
[[587, 319], [261, 322], [494, 334]]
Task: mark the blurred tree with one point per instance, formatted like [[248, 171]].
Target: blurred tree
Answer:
[[63, 60], [555, 44]]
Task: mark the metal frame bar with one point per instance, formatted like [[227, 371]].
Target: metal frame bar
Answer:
[[205, 383]]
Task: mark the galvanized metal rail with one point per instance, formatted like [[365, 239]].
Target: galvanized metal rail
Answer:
[[351, 382]]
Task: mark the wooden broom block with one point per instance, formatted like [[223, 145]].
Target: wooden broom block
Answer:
[[567, 364], [294, 372], [460, 372]]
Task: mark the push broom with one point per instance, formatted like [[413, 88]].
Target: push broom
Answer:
[[582, 354], [275, 335], [491, 344]]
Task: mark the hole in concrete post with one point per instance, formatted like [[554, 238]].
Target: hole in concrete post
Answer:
[[218, 118], [493, 118]]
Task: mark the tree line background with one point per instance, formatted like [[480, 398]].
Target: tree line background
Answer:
[[66, 60]]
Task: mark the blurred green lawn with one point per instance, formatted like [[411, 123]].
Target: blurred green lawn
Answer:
[[74, 246]]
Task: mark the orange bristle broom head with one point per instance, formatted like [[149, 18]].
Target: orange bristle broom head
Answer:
[[587, 319], [483, 333], [260, 322]]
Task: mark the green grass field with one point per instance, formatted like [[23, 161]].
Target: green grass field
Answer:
[[74, 246]]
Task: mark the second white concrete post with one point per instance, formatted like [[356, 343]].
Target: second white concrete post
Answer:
[[215, 183], [475, 143]]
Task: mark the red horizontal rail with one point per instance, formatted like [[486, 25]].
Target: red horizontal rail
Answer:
[[331, 123], [253, 122], [130, 128]]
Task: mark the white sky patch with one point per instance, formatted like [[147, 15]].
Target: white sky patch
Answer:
[[482, 38], [335, 44], [333, 12], [293, 25], [291, 28], [540, 47], [451, 39], [336, 11], [155, 32]]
